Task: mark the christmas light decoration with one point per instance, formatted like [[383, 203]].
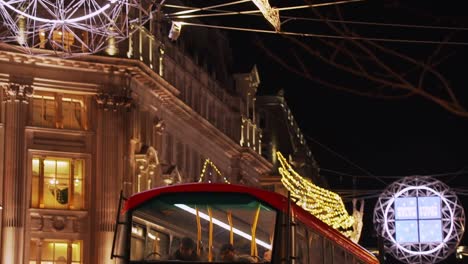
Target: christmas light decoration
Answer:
[[70, 28], [270, 14], [419, 219], [323, 204], [211, 164]]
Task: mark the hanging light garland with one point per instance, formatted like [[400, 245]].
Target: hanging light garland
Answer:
[[323, 204]]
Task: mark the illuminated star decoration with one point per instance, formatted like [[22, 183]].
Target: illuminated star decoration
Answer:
[[69, 28], [323, 204], [420, 220]]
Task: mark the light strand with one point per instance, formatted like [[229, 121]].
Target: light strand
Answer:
[[324, 204], [213, 166]]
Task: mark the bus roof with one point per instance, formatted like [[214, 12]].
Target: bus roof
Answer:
[[275, 200]]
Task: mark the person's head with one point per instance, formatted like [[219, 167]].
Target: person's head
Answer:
[[227, 252], [186, 247]]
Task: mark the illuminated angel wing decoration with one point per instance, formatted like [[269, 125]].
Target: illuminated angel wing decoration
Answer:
[[323, 204]]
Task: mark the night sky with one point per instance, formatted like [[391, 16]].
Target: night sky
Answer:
[[366, 143]]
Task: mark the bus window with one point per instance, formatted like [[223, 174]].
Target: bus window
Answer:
[[327, 252], [157, 244], [137, 242], [339, 255], [209, 219], [316, 248], [301, 256]]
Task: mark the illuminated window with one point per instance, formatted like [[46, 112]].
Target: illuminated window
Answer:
[[57, 183], [418, 219], [55, 252], [238, 219], [58, 111]]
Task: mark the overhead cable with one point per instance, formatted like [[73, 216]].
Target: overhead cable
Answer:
[[325, 36], [197, 9]]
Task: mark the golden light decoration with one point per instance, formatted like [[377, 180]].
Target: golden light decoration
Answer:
[[323, 204], [211, 164]]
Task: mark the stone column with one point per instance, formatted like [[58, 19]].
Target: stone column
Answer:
[[14, 184], [110, 153]]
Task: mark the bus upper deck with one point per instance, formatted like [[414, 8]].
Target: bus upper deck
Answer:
[[261, 227]]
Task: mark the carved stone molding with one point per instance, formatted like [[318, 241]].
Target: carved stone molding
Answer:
[[15, 92], [44, 221], [117, 96], [115, 101]]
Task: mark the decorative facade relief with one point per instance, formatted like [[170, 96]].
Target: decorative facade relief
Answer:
[[18, 92], [45, 221], [117, 96], [115, 101]]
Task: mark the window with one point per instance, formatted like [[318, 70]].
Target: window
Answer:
[[57, 183], [58, 111], [208, 219], [55, 252], [316, 248], [300, 245], [418, 220]]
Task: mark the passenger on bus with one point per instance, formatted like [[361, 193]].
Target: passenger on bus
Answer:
[[186, 251], [228, 254], [267, 256]]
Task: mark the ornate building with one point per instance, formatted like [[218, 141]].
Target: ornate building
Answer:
[[282, 133], [74, 133]]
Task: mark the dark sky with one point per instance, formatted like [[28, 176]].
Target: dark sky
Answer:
[[375, 139], [370, 137]]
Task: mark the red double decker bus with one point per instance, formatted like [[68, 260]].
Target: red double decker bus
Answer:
[[265, 226]]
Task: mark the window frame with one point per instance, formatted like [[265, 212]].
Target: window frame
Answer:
[[86, 177], [59, 99]]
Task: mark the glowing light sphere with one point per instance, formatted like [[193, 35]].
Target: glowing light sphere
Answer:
[[70, 27], [420, 220]]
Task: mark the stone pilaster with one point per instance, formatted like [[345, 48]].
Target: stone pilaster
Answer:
[[14, 181], [110, 152]]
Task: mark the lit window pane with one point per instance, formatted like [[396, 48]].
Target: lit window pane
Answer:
[[406, 231], [60, 253], [430, 231], [405, 208], [58, 184], [71, 113], [35, 183], [429, 207], [63, 169], [47, 251], [56, 252], [76, 252], [43, 110]]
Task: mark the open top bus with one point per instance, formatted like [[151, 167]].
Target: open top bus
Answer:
[[263, 225]]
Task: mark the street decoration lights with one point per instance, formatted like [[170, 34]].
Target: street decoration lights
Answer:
[[323, 204], [419, 219], [72, 27]]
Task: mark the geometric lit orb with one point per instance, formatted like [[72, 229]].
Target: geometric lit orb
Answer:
[[419, 219], [70, 27]]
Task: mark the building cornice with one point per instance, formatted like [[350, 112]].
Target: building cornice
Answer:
[[90, 69]]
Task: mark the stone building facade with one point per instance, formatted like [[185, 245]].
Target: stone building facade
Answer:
[[75, 133]]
